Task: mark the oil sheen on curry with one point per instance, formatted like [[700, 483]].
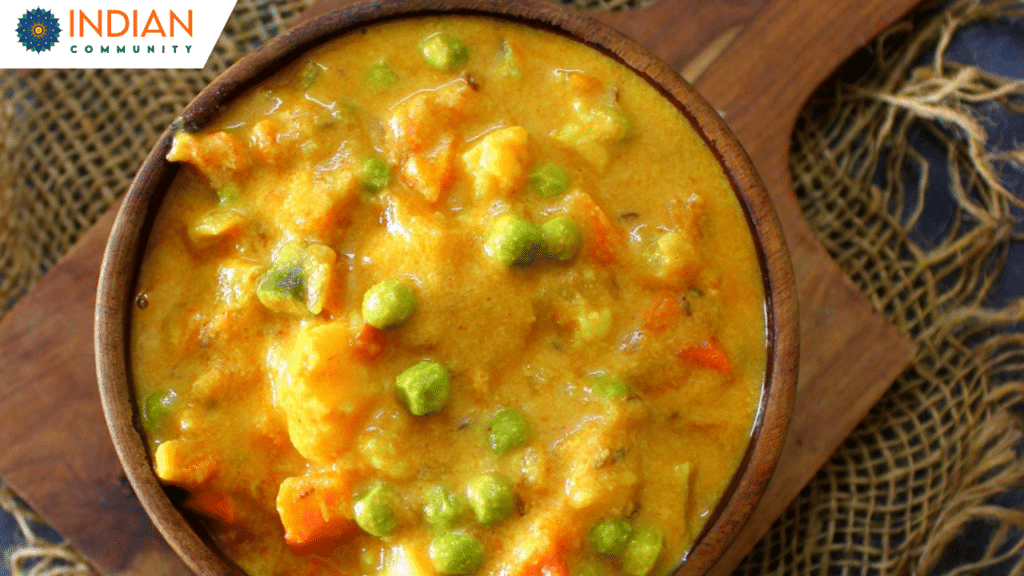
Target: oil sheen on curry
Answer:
[[449, 296]]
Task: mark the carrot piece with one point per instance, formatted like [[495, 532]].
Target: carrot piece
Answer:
[[554, 566], [664, 313], [315, 509], [316, 566], [369, 344], [605, 243], [550, 565], [212, 505], [604, 247], [549, 543], [707, 354]]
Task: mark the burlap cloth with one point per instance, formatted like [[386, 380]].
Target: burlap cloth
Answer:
[[930, 461]]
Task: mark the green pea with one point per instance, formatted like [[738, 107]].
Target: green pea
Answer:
[[155, 409], [380, 76], [375, 511], [375, 174], [456, 553], [611, 387], [642, 551], [423, 388], [388, 303], [549, 180], [491, 497], [513, 241], [562, 238], [609, 537], [443, 507], [506, 430], [444, 51]]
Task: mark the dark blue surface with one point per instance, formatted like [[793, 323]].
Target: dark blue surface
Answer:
[[999, 48]]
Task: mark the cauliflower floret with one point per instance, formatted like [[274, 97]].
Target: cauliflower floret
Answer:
[[497, 162], [420, 136], [595, 129], [676, 257], [421, 120], [603, 468]]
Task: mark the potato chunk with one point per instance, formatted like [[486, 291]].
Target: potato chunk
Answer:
[[497, 162], [215, 225], [325, 394], [180, 465], [315, 204]]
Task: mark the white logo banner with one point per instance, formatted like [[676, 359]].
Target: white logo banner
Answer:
[[110, 34]]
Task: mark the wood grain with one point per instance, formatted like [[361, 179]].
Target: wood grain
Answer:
[[55, 449], [853, 363]]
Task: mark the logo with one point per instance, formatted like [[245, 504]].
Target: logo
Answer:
[[115, 34], [38, 30]]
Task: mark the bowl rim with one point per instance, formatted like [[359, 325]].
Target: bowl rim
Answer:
[[125, 248]]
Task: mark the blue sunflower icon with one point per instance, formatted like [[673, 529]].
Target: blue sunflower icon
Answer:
[[38, 30]]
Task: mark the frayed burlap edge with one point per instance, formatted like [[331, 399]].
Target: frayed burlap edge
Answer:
[[39, 556], [931, 458], [926, 463]]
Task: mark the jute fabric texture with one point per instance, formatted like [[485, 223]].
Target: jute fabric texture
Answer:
[[929, 459]]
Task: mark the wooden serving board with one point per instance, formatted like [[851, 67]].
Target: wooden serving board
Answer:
[[756, 61]]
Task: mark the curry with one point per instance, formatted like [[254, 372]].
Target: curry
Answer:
[[449, 296]]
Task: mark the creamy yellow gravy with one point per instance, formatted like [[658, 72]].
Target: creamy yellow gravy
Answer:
[[275, 415]]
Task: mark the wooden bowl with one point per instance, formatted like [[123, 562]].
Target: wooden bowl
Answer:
[[128, 239]]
